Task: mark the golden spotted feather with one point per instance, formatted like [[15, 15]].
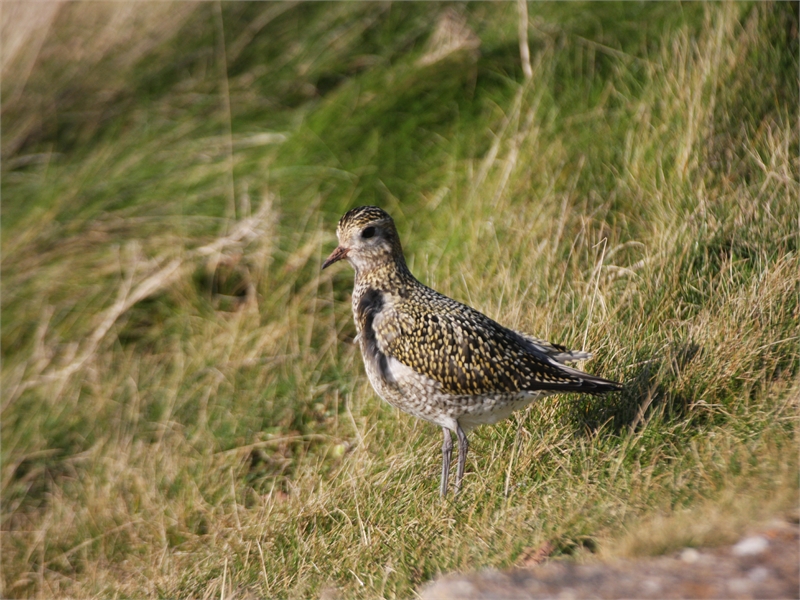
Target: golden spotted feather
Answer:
[[465, 351]]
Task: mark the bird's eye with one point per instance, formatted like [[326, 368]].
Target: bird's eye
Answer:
[[368, 232]]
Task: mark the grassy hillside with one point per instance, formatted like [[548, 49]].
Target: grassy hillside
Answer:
[[183, 411]]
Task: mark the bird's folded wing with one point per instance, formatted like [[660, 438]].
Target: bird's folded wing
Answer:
[[561, 353], [470, 354]]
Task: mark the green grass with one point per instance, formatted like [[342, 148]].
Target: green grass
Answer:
[[188, 417]]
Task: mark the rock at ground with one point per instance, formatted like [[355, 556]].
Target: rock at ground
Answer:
[[765, 564]]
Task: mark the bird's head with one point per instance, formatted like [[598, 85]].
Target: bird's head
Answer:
[[367, 239]]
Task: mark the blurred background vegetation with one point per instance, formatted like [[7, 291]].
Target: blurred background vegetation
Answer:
[[183, 411]]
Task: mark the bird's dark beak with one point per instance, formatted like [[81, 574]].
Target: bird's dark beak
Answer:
[[336, 255]]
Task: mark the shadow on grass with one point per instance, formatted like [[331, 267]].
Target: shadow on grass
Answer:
[[650, 389]]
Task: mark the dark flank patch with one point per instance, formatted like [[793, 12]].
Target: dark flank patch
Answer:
[[369, 307]]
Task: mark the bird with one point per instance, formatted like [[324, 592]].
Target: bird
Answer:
[[436, 358]]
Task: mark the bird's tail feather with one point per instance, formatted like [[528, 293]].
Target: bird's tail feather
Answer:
[[557, 352]]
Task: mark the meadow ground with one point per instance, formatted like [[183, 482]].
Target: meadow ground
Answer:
[[183, 411]]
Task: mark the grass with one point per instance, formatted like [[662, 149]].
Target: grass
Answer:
[[184, 414]]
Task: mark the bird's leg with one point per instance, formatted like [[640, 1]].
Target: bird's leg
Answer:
[[447, 452], [463, 446]]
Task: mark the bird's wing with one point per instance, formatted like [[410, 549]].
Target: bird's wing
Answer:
[[470, 354], [560, 353]]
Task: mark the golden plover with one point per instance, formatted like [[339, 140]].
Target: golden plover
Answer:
[[436, 358]]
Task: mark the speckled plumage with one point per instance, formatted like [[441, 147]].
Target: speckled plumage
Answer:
[[436, 358]]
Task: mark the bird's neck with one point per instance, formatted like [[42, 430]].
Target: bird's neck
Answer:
[[384, 275]]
